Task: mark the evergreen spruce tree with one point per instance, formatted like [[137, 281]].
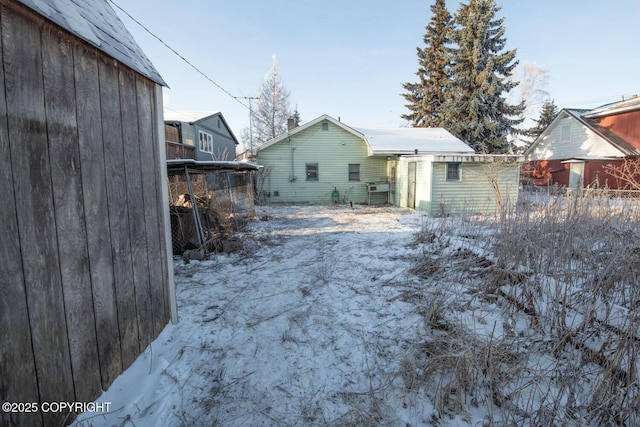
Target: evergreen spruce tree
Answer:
[[547, 115], [426, 97], [297, 119], [476, 109]]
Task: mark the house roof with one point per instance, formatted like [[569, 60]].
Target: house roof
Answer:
[[196, 117], [95, 22], [307, 125], [631, 104], [392, 141], [187, 116]]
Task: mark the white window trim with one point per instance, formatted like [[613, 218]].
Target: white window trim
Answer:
[[205, 140]]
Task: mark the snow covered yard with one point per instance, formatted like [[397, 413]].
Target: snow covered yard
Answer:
[[380, 316], [301, 327]]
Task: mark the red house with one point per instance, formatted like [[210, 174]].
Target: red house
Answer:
[[577, 146]]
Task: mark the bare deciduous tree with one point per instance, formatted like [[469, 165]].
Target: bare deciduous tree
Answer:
[[270, 117]]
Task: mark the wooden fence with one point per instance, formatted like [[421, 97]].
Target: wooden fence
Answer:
[[83, 271]]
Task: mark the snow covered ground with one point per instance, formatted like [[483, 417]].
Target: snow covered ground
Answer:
[[303, 327], [340, 316]]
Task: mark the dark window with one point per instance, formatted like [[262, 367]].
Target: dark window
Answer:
[[354, 172], [325, 126], [453, 171], [312, 171]]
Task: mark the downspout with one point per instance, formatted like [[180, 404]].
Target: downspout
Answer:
[[291, 176]]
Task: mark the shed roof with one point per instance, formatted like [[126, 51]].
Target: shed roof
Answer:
[[177, 165], [95, 22]]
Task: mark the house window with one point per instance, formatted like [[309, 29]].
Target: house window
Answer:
[[325, 126], [312, 171], [453, 171], [206, 141], [354, 172], [566, 133]]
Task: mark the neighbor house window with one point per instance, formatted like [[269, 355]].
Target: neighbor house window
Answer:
[[312, 171], [354, 172], [206, 141], [453, 171], [325, 126], [566, 133]]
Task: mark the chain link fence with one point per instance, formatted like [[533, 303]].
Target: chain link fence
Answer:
[[224, 204]]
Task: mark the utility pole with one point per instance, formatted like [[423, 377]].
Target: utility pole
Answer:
[[250, 121]]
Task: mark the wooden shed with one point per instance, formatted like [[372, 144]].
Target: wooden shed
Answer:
[[85, 276]]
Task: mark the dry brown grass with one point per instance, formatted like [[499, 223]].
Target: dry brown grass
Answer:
[[560, 281]]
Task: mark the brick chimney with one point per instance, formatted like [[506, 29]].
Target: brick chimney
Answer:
[[291, 123]]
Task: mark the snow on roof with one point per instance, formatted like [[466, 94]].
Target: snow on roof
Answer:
[[408, 140], [186, 116], [393, 141], [180, 164], [631, 104], [95, 22]]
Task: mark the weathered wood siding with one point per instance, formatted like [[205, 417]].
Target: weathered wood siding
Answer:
[[84, 271], [473, 193], [581, 143], [332, 150]]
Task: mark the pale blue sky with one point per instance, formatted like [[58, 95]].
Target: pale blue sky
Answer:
[[349, 58]]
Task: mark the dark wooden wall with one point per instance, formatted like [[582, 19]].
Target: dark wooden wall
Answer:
[[83, 265]]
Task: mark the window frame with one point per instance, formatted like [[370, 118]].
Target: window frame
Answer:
[[449, 176], [352, 173], [205, 145], [309, 172]]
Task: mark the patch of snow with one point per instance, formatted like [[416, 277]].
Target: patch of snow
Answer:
[[306, 330]]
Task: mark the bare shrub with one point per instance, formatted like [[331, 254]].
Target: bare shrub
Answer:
[[562, 276]]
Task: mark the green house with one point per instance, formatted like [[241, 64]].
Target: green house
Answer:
[[325, 161]]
